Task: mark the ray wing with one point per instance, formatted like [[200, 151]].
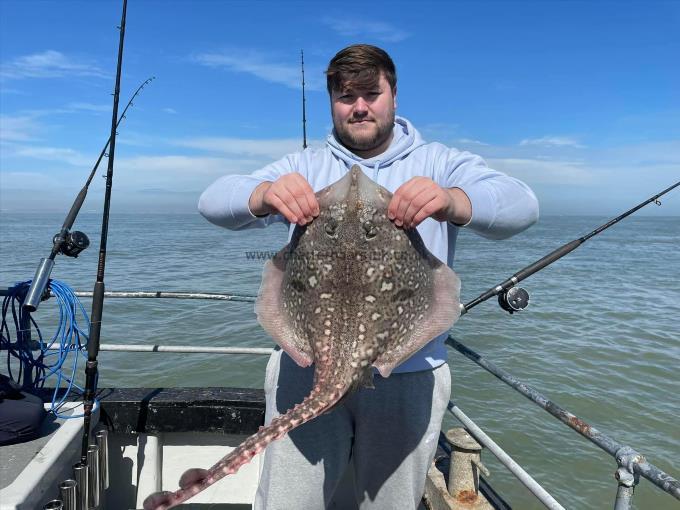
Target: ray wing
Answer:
[[421, 299], [442, 311], [272, 314]]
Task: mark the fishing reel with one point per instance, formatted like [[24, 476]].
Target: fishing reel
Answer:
[[71, 243], [514, 299]]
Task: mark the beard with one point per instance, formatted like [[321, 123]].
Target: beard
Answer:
[[377, 133]]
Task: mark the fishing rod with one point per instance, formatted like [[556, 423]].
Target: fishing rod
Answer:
[[304, 118], [66, 242], [98, 292], [514, 299]]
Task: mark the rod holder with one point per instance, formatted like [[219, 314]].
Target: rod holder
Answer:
[[102, 440], [80, 476], [67, 492], [93, 477], [38, 284]]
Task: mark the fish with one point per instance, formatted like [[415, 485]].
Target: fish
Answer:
[[351, 293]]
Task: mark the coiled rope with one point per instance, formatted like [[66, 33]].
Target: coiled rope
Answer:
[[39, 360]]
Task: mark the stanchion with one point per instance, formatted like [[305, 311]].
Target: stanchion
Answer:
[[80, 476], [93, 477], [102, 440], [67, 492]]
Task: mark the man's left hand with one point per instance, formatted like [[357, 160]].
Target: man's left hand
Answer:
[[421, 197]]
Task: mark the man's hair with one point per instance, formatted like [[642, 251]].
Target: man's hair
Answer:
[[360, 66]]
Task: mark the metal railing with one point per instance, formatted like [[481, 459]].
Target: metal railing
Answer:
[[631, 464], [511, 464], [188, 349], [173, 295]]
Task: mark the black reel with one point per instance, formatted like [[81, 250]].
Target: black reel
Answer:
[[74, 242], [514, 299]]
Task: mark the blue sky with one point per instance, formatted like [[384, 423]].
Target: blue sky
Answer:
[[581, 100]]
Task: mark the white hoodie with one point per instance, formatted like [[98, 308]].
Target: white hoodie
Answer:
[[501, 205]]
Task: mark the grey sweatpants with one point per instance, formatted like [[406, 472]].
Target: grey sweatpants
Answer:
[[383, 438]]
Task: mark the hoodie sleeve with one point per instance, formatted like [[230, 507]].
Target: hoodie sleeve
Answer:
[[502, 206], [225, 201]]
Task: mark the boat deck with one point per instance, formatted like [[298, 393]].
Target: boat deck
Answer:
[[35, 467], [155, 434]]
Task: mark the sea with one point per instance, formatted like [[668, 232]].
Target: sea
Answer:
[[600, 337]]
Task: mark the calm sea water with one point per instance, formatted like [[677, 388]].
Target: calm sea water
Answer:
[[601, 336]]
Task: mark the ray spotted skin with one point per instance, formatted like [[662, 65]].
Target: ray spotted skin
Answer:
[[350, 292]]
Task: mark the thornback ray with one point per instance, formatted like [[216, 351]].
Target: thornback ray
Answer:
[[351, 292]]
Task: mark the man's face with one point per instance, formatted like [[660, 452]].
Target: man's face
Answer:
[[364, 117]]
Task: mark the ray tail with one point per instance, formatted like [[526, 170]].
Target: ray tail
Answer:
[[196, 480]]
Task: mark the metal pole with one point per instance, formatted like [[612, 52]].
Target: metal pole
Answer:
[[465, 464], [171, 295], [264, 351], [93, 477], [624, 455], [627, 459], [184, 349], [67, 491], [102, 441], [80, 476], [624, 497], [534, 487]]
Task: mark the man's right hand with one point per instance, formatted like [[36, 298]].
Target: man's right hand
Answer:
[[289, 195]]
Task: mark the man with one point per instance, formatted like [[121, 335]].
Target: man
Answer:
[[385, 436]]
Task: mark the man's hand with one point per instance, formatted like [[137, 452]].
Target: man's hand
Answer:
[[290, 195], [421, 197]]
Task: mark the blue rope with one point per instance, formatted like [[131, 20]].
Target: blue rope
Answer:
[[70, 338]]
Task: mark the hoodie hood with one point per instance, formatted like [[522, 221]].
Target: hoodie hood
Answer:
[[406, 138]]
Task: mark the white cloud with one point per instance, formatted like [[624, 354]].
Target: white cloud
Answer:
[[176, 174], [25, 179], [171, 173], [179, 168], [470, 141], [89, 107], [49, 64], [217, 157], [18, 128], [378, 30], [24, 126], [137, 138], [553, 141], [171, 111], [665, 152], [541, 171], [271, 149], [265, 67], [58, 154]]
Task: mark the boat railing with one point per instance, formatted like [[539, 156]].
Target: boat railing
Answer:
[[631, 464]]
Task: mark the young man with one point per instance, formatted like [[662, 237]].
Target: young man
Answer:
[[387, 436]]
